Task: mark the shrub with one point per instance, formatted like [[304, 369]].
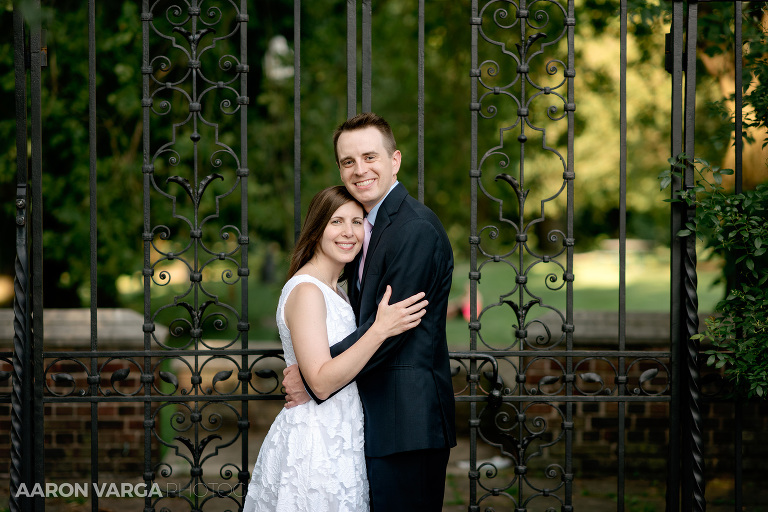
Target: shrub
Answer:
[[735, 228]]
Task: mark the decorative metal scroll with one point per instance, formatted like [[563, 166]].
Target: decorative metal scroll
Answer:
[[195, 253], [523, 93], [522, 99], [195, 374], [522, 186]]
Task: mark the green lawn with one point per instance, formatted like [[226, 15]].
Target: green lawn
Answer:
[[595, 287]]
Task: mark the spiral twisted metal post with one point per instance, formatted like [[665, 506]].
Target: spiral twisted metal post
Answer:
[[694, 391], [20, 403], [19, 414], [691, 300]]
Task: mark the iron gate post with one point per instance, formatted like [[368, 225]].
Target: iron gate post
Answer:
[[27, 409], [678, 398], [38, 60], [690, 321], [20, 471], [686, 442]]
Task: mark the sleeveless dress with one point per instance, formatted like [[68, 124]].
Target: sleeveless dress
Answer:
[[313, 458]]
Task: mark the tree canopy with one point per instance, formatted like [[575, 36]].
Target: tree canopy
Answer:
[[323, 105]]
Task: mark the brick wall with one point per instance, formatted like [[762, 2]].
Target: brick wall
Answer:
[[646, 424], [67, 434], [595, 436]]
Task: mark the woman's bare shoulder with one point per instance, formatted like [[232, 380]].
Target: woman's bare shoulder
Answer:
[[305, 298]]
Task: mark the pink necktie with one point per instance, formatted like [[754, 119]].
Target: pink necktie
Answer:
[[368, 228]]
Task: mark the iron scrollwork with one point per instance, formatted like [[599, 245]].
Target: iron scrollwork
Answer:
[[522, 98], [196, 241]]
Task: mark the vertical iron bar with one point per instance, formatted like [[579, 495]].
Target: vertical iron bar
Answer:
[[474, 240], [622, 391], [739, 146], [420, 102], [197, 323], [689, 268], [92, 153], [20, 399], [738, 456], [738, 51], [244, 327], [569, 242], [521, 219], [521, 253], [367, 49], [296, 119], [676, 222], [36, 230], [147, 169], [351, 58], [523, 83]]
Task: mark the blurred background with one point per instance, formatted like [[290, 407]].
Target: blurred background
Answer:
[[448, 153], [323, 99]]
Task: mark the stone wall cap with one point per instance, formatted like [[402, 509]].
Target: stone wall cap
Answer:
[[71, 328], [602, 327]]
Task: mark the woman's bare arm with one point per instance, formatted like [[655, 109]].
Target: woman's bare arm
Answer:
[[305, 316]]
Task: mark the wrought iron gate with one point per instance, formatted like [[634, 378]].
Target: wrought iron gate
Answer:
[[523, 394]]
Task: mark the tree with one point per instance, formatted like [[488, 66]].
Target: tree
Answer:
[[323, 105]]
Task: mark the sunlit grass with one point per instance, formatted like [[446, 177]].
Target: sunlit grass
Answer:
[[595, 288]]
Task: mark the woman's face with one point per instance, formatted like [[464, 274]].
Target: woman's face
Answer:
[[343, 235]]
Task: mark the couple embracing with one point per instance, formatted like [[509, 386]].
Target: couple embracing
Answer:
[[368, 383]]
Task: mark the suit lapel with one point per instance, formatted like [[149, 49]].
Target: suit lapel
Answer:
[[352, 291], [384, 218]]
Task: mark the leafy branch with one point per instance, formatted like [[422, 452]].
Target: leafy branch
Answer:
[[735, 228]]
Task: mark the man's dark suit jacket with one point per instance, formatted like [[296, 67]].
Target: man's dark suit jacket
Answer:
[[406, 387]]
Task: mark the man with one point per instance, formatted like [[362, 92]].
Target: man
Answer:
[[406, 387]]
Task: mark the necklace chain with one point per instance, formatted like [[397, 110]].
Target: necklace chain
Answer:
[[320, 276]]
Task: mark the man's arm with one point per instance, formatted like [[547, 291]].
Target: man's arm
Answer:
[[331, 374], [410, 266]]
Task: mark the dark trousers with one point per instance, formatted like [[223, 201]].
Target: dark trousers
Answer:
[[406, 481]]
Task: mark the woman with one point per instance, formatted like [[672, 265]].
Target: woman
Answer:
[[312, 459]]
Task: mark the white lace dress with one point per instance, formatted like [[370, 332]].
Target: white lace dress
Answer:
[[313, 459]]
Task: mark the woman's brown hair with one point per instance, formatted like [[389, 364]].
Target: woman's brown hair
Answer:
[[321, 208]]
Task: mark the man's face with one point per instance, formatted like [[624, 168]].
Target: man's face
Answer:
[[366, 169]]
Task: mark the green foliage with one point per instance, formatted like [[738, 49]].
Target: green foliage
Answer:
[[735, 228], [64, 112], [757, 96], [718, 38], [756, 72], [447, 143], [119, 129]]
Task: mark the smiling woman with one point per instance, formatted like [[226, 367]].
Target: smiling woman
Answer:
[[343, 236], [321, 209], [311, 456]]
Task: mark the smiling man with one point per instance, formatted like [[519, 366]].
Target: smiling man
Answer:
[[368, 162], [406, 387]]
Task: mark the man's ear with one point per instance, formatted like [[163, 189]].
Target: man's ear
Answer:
[[396, 156]]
